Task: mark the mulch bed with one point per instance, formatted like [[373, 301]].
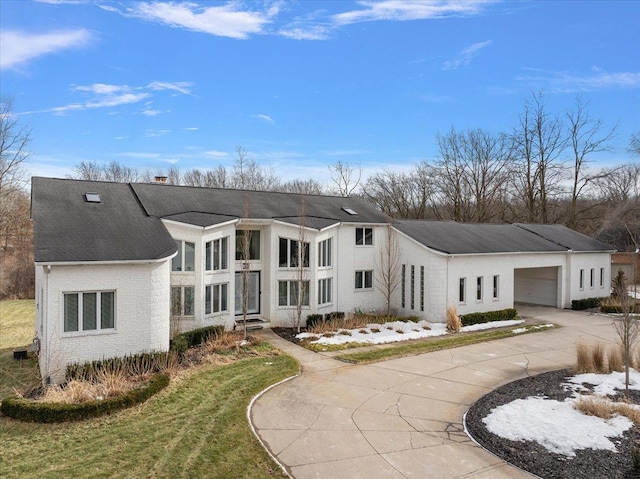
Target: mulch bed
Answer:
[[289, 333], [531, 456]]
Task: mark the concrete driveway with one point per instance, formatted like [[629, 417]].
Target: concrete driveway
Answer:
[[402, 418]]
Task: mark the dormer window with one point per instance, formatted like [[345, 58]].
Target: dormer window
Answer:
[[92, 198]]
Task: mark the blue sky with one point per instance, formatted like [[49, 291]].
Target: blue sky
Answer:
[[302, 84]]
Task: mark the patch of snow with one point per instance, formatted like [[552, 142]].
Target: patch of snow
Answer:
[[555, 425], [537, 326], [491, 325], [607, 384]]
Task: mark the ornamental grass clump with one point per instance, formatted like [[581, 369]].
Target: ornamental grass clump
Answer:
[[453, 320], [584, 359], [615, 363]]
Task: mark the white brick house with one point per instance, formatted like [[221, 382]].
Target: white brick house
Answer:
[[120, 267]]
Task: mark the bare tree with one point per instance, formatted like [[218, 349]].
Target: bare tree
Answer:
[[301, 264], [634, 143], [626, 326], [302, 187], [388, 267], [88, 170], [346, 177], [248, 175], [586, 137], [245, 252], [14, 140]]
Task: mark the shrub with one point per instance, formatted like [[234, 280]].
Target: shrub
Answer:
[[314, 319], [614, 308], [142, 364], [584, 359], [479, 318], [335, 315], [453, 320], [581, 304], [36, 411], [194, 338]]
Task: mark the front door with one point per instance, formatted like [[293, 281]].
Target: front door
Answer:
[[253, 292]]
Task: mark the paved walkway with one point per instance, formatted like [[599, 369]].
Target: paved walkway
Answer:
[[402, 418]]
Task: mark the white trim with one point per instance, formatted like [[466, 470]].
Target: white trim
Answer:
[[104, 263], [198, 227]]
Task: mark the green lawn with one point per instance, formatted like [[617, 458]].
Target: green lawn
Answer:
[[197, 427], [16, 331]]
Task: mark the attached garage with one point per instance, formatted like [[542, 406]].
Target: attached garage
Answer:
[[536, 285]]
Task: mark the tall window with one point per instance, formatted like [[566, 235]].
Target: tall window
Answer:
[[291, 255], [403, 285], [496, 286], [592, 278], [216, 298], [479, 281], [324, 291], [324, 253], [185, 260], [216, 254], [581, 279], [462, 290], [602, 277], [421, 288], [364, 236], [413, 289], [182, 299], [288, 293], [90, 311], [364, 279], [254, 245]]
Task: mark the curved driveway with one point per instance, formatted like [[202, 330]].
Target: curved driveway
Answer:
[[402, 418]]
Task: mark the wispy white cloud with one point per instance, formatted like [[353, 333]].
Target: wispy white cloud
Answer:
[[265, 118], [18, 48], [314, 32], [465, 57], [403, 10], [156, 133], [228, 20], [137, 154], [571, 83], [216, 154], [192, 128], [103, 95]]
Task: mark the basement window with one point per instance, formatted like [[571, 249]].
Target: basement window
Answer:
[[92, 198]]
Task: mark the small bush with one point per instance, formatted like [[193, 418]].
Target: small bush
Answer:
[[581, 304], [335, 315], [45, 412], [584, 359], [453, 320], [140, 365], [198, 336], [314, 319], [479, 318]]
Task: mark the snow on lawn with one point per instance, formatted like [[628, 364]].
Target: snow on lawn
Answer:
[[555, 425], [396, 331], [558, 426]]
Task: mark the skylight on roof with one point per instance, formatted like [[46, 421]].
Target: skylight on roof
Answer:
[[92, 198], [349, 210]]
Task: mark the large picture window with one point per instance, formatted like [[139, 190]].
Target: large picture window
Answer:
[[364, 279], [216, 298], [364, 236], [216, 254], [182, 300], [185, 260], [288, 293], [89, 311], [290, 254], [254, 245]]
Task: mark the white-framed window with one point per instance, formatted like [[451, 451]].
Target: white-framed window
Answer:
[[421, 288], [288, 293], [254, 244], [462, 290], [185, 260], [182, 300], [496, 286], [89, 311], [364, 236], [216, 254], [216, 298], [364, 279], [403, 286], [602, 277], [324, 253], [324, 290], [412, 293], [592, 278], [479, 292], [290, 255], [581, 279]]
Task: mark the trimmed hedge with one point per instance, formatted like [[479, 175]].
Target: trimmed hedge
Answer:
[[618, 309], [479, 318], [580, 304], [46, 412], [189, 339]]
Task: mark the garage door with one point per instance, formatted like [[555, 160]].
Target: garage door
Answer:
[[536, 286]]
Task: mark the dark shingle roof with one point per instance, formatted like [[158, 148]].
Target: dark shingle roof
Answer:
[[164, 201], [464, 238], [68, 228]]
